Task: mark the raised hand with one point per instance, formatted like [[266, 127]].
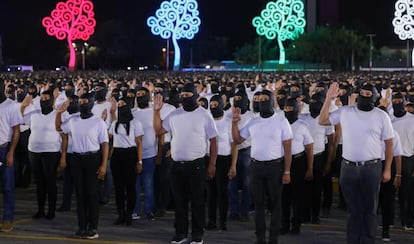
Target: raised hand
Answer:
[[27, 101], [62, 108], [333, 91], [158, 103], [236, 115]]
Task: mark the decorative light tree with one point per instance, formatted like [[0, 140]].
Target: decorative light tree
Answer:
[[71, 20], [403, 21], [283, 19], [176, 19]]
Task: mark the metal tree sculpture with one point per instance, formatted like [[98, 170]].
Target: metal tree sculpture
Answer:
[[176, 19], [283, 19], [71, 20], [403, 21]]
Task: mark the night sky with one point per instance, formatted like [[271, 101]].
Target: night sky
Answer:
[[26, 41]]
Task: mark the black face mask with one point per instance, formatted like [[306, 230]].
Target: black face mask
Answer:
[[124, 114], [86, 110], [116, 96], [399, 109], [216, 112], [143, 101], [242, 105], [227, 107], [73, 107], [100, 95], [365, 103], [70, 92], [20, 96], [256, 107], [315, 109], [252, 88], [2, 95], [410, 98], [214, 88], [266, 109], [291, 116], [11, 95], [294, 94], [33, 94], [281, 103], [190, 103], [46, 106], [344, 99]]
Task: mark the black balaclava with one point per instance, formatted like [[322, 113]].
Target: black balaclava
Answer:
[[2, 91], [73, 105], [20, 95], [174, 98], [204, 102], [315, 104], [410, 98], [253, 87], [292, 116], [345, 97], [143, 101], [70, 91], [243, 103], [230, 89], [47, 105], [217, 112], [115, 94], [267, 107], [101, 94], [214, 87], [86, 109], [367, 103], [256, 107], [386, 84], [11, 92], [190, 103], [241, 88], [33, 93], [125, 114], [399, 108], [324, 86], [281, 99], [227, 106], [295, 94]]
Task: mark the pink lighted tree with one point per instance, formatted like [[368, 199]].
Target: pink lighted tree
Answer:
[[71, 20]]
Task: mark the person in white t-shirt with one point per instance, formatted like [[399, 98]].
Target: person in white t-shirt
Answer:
[[364, 130], [191, 129], [10, 120], [271, 154], [44, 152], [126, 160]]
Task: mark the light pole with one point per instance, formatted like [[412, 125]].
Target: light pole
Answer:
[[83, 52], [167, 63], [370, 49]]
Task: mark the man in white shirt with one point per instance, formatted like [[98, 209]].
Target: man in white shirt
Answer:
[[364, 129]]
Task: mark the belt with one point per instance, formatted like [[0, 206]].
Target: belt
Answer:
[[244, 149], [86, 153], [318, 154], [193, 161], [361, 163], [298, 155], [279, 160], [4, 145]]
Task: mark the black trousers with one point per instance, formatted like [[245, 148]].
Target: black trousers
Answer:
[[387, 199], [313, 189], [162, 179], [266, 177], [188, 185], [22, 167], [123, 167], [336, 171], [217, 189], [84, 168], [406, 192], [293, 194], [44, 168]]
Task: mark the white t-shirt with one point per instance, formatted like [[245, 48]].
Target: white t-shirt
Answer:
[[23, 127], [363, 132], [267, 136], [98, 109], [66, 117], [397, 146], [9, 117], [87, 134], [224, 137], [166, 110], [301, 136], [190, 132], [244, 119], [43, 136], [404, 126], [318, 132], [149, 140], [121, 139], [60, 99]]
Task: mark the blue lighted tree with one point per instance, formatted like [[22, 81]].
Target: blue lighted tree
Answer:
[[284, 20], [176, 19]]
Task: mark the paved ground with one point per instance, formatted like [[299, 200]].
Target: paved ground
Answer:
[[59, 230]]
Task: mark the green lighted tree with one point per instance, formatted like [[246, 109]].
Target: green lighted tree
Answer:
[[284, 20]]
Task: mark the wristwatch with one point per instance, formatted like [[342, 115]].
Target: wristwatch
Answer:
[[286, 173]]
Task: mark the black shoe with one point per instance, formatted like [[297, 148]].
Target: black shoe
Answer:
[[80, 234], [39, 215], [179, 240], [92, 235], [63, 209], [386, 236], [211, 226], [50, 215], [149, 217]]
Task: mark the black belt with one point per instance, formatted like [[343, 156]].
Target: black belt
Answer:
[[298, 155], [362, 163], [86, 153], [279, 160], [4, 145], [318, 154], [244, 149], [193, 161]]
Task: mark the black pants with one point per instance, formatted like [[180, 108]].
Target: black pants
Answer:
[[217, 189], [44, 168], [123, 167], [22, 167], [84, 168], [336, 171], [406, 192], [266, 177], [293, 194], [162, 179], [387, 199], [188, 184], [67, 183], [313, 189]]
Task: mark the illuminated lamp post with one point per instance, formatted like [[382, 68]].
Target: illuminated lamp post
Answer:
[[71, 20], [403, 22], [284, 20], [176, 19]]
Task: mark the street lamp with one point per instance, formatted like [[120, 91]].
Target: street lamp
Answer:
[[370, 49]]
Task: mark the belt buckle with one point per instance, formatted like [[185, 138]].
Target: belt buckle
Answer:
[[360, 164]]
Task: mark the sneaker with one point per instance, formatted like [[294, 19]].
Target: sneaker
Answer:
[[80, 234], [92, 235], [179, 240], [7, 226], [135, 216], [197, 241], [149, 217], [408, 228], [386, 236]]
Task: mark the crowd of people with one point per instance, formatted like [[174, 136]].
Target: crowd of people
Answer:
[[274, 140]]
